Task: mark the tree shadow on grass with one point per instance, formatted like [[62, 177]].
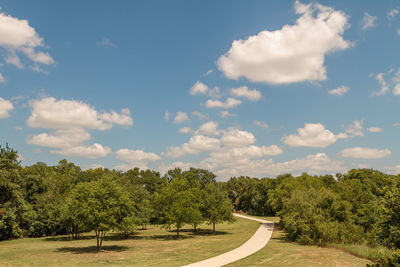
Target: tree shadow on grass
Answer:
[[205, 232], [66, 238], [91, 249]]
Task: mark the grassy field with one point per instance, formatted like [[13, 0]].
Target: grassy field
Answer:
[[152, 247], [281, 252], [157, 247]]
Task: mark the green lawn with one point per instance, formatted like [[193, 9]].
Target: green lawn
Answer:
[[152, 247], [281, 252], [157, 247]]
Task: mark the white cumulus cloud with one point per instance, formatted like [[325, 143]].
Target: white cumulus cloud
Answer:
[[196, 145], [199, 88], [230, 103], [295, 53], [18, 37], [236, 138], [5, 107], [312, 135], [208, 128], [92, 151], [253, 95], [180, 117]]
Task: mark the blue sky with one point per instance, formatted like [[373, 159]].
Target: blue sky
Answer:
[[252, 88]]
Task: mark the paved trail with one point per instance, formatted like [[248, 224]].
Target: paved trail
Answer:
[[254, 244]]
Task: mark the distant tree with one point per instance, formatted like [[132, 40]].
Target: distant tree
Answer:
[[100, 206], [217, 206]]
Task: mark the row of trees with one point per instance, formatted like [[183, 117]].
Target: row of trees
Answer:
[[41, 200], [359, 207]]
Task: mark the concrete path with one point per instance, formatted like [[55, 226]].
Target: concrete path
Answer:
[[254, 244]]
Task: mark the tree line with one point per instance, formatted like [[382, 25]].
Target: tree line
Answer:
[[361, 207], [42, 200]]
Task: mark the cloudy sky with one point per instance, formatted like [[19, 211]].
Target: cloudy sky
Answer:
[[254, 88]]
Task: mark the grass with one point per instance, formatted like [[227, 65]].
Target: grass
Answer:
[[157, 247], [152, 247], [281, 252]]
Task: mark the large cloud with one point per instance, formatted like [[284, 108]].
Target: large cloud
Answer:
[[5, 107], [63, 114], [17, 36], [292, 54], [70, 122]]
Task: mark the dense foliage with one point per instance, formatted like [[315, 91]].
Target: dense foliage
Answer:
[[41, 200], [359, 207]]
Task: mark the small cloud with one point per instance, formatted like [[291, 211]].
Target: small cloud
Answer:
[[2, 79], [261, 124], [225, 114], [166, 115], [106, 42], [392, 13], [396, 124], [208, 72], [368, 21], [230, 103], [199, 115], [18, 128], [252, 95], [339, 91], [180, 117], [398, 32], [374, 130], [185, 130], [199, 88]]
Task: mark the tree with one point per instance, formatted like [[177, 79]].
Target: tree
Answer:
[[99, 205], [178, 204], [217, 206], [16, 213]]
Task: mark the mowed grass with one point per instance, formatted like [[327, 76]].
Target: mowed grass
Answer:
[[158, 247], [152, 247], [281, 252]]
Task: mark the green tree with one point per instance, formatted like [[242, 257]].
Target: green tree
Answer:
[[99, 205], [178, 204], [217, 206]]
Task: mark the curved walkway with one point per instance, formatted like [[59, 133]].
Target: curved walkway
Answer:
[[254, 244]]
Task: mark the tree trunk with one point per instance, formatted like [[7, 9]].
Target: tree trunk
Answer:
[[195, 227], [101, 239], [214, 228], [98, 240], [177, 232]]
